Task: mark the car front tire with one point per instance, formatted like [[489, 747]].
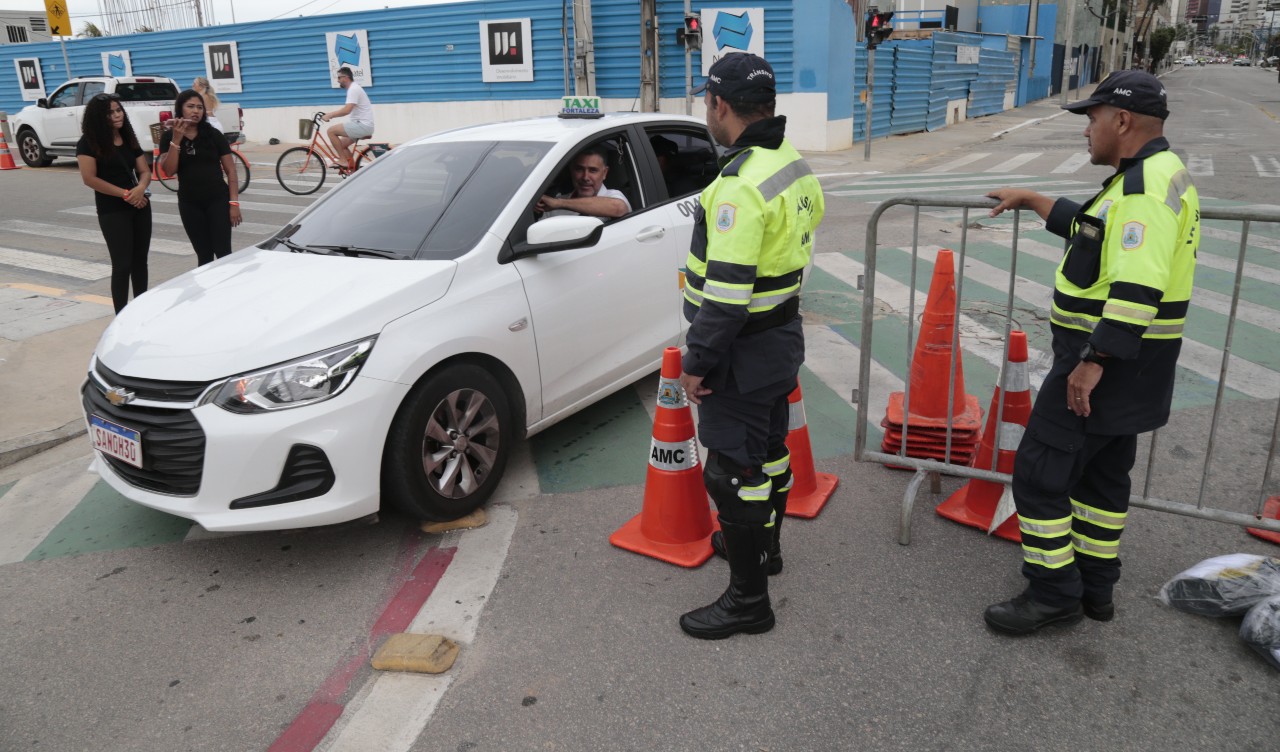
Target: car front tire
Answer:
[[31, 150], [448, 446]]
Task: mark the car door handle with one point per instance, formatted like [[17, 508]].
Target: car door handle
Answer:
[[651, 233]]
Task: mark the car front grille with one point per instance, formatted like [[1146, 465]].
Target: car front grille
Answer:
[[172, 444], [152, 389]]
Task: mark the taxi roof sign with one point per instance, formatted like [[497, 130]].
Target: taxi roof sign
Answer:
[[580, 107]]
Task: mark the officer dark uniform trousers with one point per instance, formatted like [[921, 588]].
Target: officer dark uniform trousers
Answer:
[[1123, 288], [752, 241]]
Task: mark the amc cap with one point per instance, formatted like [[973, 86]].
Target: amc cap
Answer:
[[740, 77], [1133, 90]]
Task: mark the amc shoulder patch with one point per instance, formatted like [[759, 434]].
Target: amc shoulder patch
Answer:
[[725, 215], [1132, 234]]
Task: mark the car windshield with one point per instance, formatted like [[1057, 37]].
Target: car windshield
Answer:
[[427, 201], [147, 91]]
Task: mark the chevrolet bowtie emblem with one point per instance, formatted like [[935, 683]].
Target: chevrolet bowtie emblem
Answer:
[[118, 396]]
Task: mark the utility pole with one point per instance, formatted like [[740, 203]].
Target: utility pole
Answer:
[[1067, 57], [1032, 19], [688, 68]]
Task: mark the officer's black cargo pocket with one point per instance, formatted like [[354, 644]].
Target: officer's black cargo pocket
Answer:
[[718, 434], [1047, 457], [1084, 257]]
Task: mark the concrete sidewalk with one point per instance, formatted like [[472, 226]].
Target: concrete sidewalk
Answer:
[[48, 335]]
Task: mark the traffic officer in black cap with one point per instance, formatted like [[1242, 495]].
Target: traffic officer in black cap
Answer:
[[1120, 301], [752, 241]]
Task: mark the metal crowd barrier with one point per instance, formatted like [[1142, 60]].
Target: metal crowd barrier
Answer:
[[933, 469]]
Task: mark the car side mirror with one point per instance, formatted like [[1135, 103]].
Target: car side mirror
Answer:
[[42, 103], [556, 234]]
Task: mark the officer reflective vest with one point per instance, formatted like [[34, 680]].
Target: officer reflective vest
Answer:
[[751, 242], [1124, 285]]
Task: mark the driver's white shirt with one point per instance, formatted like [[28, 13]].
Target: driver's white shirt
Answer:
[[602, 193]]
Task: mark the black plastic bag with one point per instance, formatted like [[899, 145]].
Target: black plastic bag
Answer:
[[1224, 585]]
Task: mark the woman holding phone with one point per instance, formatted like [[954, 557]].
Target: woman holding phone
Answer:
[[118, 170], [208, 196]]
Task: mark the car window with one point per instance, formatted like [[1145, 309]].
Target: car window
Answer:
[[147, 91], [688, 159], [431, 200], [623, 172], [64, 97], [90, 89]]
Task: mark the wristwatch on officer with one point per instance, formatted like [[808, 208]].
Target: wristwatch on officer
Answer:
[[1090, 354]]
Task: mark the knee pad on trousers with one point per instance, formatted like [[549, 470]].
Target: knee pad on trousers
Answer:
[[741, 494]]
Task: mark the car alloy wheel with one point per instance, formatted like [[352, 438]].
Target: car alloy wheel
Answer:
[[448, 445]]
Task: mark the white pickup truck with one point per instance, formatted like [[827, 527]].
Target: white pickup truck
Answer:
[[51, 127]]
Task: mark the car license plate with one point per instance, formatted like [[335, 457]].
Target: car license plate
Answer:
[[114, 440]]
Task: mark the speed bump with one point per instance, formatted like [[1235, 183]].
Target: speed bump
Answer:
[[477, 518], [418, 653]]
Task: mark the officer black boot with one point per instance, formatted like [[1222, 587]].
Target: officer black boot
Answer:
[[779, 501], [1023, 615], [744, 606]]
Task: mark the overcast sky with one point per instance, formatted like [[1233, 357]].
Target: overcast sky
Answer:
[[242, 10]]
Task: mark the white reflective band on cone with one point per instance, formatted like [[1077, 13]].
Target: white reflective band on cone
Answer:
[[671, 394], [1010, 436], [673, 455], [795, 413], [1017, 380]]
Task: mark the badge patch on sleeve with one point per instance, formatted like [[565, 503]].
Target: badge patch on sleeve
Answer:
[[725, 216], [1132, 234], [1102, 211]]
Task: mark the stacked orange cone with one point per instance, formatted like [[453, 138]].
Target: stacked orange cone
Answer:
[[675, 523], [809, 488], [1270, 510], [931, 365], [982, 503], [6, 158]]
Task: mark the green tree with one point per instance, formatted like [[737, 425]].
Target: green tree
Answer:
[[1161, 40], [91, 29]]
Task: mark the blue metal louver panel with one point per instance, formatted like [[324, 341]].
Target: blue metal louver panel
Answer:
[[996, 72], [779, 24], [950, 79], [912, 73]]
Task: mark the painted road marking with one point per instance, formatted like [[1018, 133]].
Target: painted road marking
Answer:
[[83, 235], [1073, 163], [160, 218], [1268, 167], [961, 162], [1013, 163], [51, 264], [395, 707], [36, 504], [244, 205], [933, 188], [1200, 164]]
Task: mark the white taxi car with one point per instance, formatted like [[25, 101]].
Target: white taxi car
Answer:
[[400, 335]]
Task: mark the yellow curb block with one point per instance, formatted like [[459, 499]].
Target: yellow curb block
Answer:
[[97, 299], [476, 519], [421, 654], [53, 292]]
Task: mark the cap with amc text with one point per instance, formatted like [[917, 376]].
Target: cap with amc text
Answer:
[[1133, 90], [740, 77]]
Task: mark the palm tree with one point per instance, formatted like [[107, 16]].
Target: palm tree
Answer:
[[91, 29]]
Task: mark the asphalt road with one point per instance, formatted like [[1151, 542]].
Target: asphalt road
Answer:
[[178, 640]]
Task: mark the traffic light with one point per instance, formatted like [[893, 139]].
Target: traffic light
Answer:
[[690, 35], [878, 28]]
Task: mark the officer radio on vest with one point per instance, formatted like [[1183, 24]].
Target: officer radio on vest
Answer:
[[1120, 301], [752, 241]]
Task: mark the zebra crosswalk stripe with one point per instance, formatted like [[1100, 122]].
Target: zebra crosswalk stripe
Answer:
[[1013, 163], [961, 162], [244, 205], [160, 218], [84, 235], [51, 264], [1073, 163], [1267, 167]]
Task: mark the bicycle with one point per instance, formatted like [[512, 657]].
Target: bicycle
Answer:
[[171, 181], [302, 169]]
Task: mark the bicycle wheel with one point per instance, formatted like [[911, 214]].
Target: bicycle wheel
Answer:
[[168, 181], [242, 170], [363, 157], [300, 171]]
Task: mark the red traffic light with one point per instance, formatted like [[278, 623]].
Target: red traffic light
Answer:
[[693, 24]]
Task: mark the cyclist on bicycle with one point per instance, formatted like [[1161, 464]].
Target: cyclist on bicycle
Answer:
[[360, 124]]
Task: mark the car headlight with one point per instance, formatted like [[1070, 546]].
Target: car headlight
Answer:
[[306, 381]]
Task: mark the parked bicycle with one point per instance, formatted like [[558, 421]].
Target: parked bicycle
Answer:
[[171, 181], [302, 169]]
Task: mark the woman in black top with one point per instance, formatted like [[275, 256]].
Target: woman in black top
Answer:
[[117, 169], [199, 155]]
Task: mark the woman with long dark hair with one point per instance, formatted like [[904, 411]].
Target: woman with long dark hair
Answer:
[[117, 169], [208, 194]]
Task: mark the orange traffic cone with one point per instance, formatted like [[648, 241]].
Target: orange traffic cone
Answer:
[[809, 489], [676, 522], [931, 371], [982, 503], [1270, 510], [6, 159]]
